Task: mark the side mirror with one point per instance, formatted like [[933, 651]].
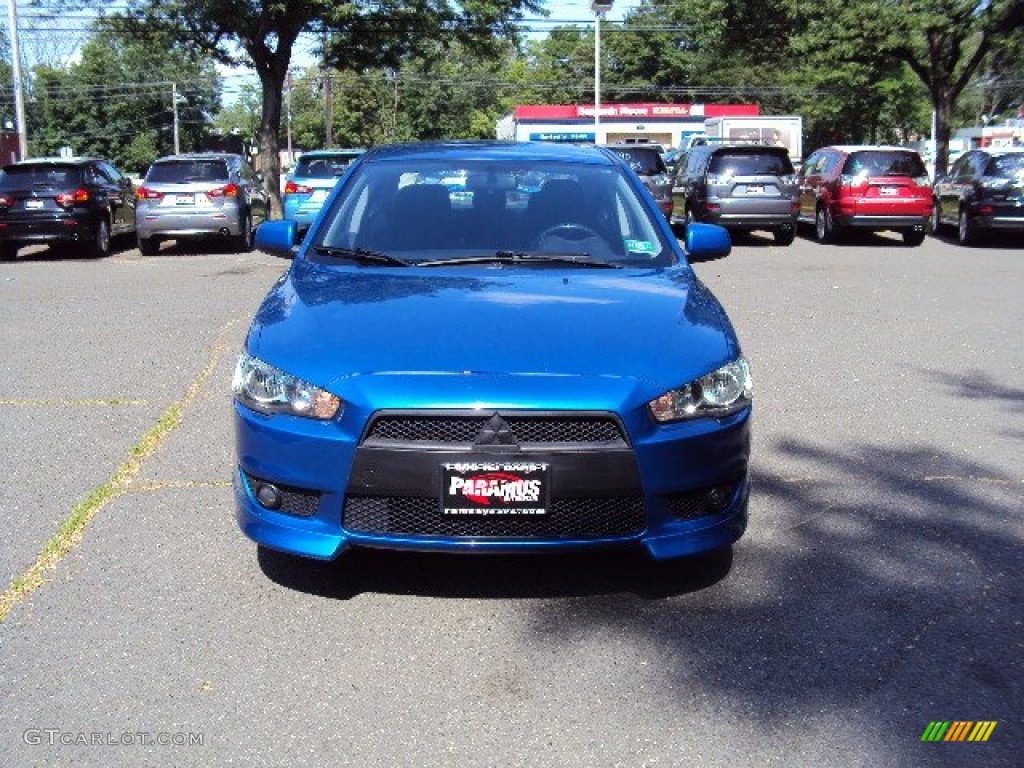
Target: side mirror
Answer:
[[704, 242], [277, 238]]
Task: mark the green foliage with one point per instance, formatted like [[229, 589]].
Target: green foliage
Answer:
[[115, 102]]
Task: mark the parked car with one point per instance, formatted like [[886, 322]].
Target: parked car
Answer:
[[491, 377], [742, 187], [983, 192], [867, 188], [208, 194], [83, 201], [311, 181], [646, 162]]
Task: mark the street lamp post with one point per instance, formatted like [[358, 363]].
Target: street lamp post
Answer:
[[600, 7]]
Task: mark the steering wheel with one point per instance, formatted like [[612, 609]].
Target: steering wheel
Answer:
[[571, 232]]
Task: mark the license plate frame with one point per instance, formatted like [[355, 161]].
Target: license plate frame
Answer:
[[495, 488]]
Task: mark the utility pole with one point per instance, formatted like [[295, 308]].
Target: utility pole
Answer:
[[174, 104], [19, 100], [328, 101]]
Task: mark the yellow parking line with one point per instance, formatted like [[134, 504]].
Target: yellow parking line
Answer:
[[69, 533]]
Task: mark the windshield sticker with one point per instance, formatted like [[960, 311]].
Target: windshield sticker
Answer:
[[640, 246]]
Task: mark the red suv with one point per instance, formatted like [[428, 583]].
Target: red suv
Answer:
[[866, 188]]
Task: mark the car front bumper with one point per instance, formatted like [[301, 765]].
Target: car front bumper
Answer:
[[678, 490]]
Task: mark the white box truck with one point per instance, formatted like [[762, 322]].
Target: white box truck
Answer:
[[780, 130]]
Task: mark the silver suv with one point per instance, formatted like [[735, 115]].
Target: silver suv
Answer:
[[738, 186], [206, 194]]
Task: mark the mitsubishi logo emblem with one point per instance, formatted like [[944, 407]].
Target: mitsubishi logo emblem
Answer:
[[496, 432]]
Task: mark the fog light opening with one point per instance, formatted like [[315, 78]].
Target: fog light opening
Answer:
[[719, 497], [269, 496]]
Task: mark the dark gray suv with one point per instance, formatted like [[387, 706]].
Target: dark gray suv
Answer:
[[206, 194], [738, 186]]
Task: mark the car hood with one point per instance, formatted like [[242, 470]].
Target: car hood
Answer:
[[332, 326]]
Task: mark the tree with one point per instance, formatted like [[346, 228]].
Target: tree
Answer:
[[115, 102], [943, 42], [359, 34]]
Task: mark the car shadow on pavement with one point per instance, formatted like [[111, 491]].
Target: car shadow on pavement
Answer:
[[72, 251], [494, 575], [985, 240]]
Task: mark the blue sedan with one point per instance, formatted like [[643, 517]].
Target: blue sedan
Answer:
[[469, 370], [309, 184]]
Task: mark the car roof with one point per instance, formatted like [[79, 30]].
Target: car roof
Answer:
[[198, 156], [58, 160], [330, 152], [996, 151], [744, 146], [494, 149], [648, 147], [863, 147]]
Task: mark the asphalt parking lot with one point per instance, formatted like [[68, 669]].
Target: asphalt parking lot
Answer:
[[877, 589]]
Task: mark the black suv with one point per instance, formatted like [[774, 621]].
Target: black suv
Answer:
[[983, 192], [737, 186], [646, 162], [63, 201]]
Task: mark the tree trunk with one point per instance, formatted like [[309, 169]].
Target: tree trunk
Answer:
[[942, 102], [270, 126]]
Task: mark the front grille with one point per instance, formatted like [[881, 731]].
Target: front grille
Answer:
[[463, 429], [600, 517]]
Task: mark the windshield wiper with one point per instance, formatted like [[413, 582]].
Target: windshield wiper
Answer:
[[360, 255], [522, 257]]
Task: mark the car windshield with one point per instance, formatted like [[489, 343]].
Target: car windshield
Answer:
[[181, 171], [322, 166], [1006, 166], [428, 210], [645, 162], [40, 175], [752, 163], [877, 162]]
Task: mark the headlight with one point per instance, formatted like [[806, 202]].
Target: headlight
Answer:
[[267, 389], [719, 393]]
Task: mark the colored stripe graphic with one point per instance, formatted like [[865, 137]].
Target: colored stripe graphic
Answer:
[[935, 731], [982, 730], [958, 730]]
